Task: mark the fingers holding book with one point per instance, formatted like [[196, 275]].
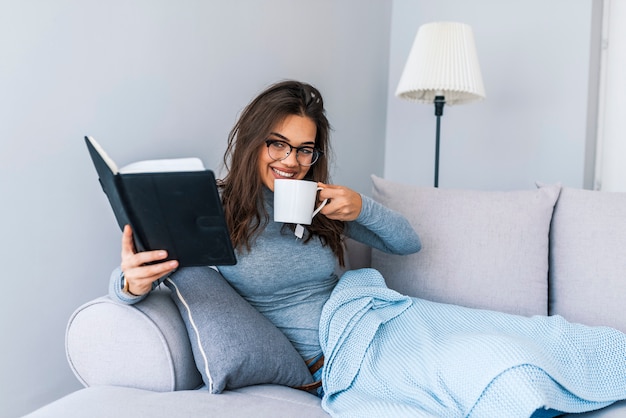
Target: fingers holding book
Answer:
[[142, 268]]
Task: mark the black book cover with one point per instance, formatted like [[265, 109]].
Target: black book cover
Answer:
[[177, 211]]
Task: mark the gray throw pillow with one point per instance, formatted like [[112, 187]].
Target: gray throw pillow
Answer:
[[480, 249], [233, 344]]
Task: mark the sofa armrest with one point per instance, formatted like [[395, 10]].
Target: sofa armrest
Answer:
[[143, 346]]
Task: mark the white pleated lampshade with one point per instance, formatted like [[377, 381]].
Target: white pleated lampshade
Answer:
[[442, 62]]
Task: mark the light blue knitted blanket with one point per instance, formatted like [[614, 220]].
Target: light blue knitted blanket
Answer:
[[389, 355]]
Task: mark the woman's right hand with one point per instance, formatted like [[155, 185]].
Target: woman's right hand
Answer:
[[137, 273]]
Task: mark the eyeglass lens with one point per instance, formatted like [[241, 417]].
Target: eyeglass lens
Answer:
[[279, 150]]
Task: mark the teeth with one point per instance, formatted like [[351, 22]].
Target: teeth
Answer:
[[282, 173]]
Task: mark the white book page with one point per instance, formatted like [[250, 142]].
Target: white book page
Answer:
[[164, 165], [104, 155]]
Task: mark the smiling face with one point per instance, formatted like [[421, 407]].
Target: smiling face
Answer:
[[297, 131]]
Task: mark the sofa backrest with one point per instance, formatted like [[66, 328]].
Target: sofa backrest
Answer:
[[588, 258], [553, 250]]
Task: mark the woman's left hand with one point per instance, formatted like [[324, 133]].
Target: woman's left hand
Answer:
[[344, 204]]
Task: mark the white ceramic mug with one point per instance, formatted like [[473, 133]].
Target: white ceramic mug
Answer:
[[294, 201]]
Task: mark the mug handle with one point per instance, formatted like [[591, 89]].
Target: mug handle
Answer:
[[315, 212]]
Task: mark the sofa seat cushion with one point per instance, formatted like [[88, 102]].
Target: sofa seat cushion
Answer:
[[119, 402], [480, 249], [254, 401], [588, 258]]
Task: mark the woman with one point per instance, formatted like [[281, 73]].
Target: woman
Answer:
[[386, 354], [282, 134]]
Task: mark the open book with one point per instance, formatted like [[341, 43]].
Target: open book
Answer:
[[171, 204]]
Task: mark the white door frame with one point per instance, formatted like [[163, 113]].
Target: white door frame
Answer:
[[610, 142]]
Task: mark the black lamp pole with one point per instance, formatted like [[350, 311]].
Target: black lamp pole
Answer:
[[439, 102]]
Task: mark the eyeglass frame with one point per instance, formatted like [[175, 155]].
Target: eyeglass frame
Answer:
[[317, 153]]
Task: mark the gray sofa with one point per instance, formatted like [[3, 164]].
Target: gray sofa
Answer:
[[549, 250]]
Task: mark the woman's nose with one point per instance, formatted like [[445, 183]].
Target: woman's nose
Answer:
[[291, 159]]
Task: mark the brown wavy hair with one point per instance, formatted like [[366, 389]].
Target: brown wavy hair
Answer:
[[242, 188]]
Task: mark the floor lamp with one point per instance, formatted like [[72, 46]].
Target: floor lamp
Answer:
[[442, 67]]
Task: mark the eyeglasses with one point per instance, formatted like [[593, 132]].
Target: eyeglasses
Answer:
[[279, 150]]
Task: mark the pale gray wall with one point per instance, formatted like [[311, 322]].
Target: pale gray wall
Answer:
[[147, 79], [534, 57]]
